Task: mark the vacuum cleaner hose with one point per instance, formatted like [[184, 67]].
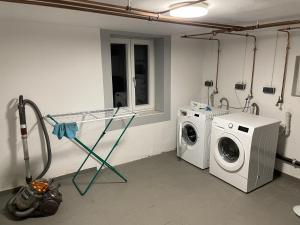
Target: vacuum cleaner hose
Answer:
[[45, 132], [28, 202]]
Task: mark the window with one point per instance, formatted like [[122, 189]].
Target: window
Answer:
[[132, 73], [137, 74]]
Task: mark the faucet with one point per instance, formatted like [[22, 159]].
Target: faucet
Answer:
[[254, 109], [227, 103]]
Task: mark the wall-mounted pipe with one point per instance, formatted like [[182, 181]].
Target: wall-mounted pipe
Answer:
[[281, 97], [116, 10], [269, 25], [236, 34], [128, 11], [216, 91], [288, 46], [129, 7], [294, 162], [254, 57], [287, 129], [252, 27]]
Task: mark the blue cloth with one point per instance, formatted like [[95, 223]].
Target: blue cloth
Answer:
[[65, 130]]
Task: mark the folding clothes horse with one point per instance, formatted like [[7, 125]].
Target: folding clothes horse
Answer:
[[113, 114]]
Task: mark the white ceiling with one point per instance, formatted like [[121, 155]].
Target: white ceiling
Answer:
[[236, 12]]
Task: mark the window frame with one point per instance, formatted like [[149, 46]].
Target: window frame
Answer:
[[126, 42], [162, 72], [151, 78], [130, 72]]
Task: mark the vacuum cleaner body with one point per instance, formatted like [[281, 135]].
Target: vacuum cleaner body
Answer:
[[39, 197], [36, 199]]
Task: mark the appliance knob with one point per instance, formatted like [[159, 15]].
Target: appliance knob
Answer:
[[230, 125]]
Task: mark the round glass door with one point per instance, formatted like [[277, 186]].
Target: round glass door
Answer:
[[229, 152], [189, 134]]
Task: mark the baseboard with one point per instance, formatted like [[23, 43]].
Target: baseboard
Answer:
[[278, 173], [59, 178]]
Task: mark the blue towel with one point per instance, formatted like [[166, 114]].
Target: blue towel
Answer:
[[65, 130]]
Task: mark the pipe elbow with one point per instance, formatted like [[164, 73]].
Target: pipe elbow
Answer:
[[227, 102]]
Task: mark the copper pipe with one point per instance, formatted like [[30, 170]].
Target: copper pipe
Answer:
[[254, 57], [237, 34], [281, 97], [93, 5], [292, 28], [218, 56], [201, 34], [156, 14], [29, 2], [275, 24], [218, 65], [253, 27], [115, 10], [285, 30], [102, 4]]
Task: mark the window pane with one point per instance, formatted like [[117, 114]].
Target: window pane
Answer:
[[119, 74], [141, 74]]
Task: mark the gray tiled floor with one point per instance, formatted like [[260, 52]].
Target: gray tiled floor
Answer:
[[164, 191]]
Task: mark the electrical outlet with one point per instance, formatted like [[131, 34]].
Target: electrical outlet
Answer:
[[269, 90], [209, 83], [240, 86]]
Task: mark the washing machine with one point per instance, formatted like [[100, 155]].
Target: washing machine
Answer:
[[243, 149], [193, 134]]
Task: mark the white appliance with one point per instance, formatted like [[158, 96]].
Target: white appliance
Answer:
[[297, 210], [243, 149], [193, 136]]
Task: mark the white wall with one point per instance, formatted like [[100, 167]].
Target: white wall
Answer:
[[231, 71], [59, 68]]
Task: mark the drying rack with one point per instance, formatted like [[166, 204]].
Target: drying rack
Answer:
[[109, 115]]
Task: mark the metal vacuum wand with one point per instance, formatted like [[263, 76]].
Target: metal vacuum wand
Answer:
[[23, 128]]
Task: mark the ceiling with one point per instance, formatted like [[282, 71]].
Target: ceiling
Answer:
[[235, 12], [229, 11]]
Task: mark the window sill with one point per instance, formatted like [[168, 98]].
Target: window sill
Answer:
[[148, 113], [143, 118]]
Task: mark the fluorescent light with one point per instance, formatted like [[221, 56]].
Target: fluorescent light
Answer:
[[189, 11]]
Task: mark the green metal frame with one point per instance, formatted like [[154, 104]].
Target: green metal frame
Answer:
[[97, 157]]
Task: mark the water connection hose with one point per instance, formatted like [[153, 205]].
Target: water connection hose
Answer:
[[22, 104]]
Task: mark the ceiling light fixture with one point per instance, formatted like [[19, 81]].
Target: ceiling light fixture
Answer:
[[191, 11]]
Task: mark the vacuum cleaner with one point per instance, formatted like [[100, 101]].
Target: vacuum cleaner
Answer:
[[39, 197]]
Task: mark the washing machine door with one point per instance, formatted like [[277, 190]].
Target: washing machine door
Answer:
[[189, 134], [229, 152]]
